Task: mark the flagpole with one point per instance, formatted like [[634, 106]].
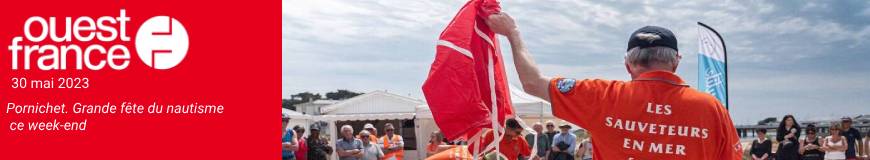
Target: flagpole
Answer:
[[725, 56]]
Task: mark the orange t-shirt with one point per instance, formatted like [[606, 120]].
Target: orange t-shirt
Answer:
[[512, 148], [432, 147], [654, 116]]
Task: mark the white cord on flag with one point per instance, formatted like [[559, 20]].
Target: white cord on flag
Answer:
[[494, 116], [534, 134]]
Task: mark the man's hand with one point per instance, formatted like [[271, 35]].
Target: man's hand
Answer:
[[533, 81], [502, 23]]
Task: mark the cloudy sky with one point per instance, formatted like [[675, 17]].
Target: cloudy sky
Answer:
[[808, 58]]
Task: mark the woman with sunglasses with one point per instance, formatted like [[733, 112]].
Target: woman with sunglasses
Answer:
[[810, 145], [835, 145]]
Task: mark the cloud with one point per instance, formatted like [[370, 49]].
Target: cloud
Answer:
[[342, 22], [783, 55]]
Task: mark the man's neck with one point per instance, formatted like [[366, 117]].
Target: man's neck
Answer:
[[640, 71]]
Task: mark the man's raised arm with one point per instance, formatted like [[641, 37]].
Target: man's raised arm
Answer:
[[533, 81]]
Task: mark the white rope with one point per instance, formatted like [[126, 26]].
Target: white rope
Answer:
[[475, 140], [494, 116], [522, 123]]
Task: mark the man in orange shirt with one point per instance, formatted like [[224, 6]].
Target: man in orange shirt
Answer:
[[653, 116], [513, 146]]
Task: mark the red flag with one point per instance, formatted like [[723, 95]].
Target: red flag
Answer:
[[467, 79]]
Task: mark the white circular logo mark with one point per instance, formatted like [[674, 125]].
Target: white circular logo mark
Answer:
[[161, 42]]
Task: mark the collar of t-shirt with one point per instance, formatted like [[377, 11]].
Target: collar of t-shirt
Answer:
[[662, 76]]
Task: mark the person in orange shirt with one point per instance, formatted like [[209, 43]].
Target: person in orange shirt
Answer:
[[513, 146], [436, 144], [372, 130], [392, 143], [653, 116]]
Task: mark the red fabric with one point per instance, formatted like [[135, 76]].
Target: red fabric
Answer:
[[301, 154], [458, 88]]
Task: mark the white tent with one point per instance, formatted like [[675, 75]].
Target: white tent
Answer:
[[376, 105], [526, 106], [375, 102], [296, 118], [529, 108]]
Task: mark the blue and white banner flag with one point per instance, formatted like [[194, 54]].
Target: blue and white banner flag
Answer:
[[712, 68]]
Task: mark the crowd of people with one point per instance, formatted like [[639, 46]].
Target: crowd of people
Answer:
[[791, 142], [843, 142], [367, 146], [552, 144], [364, 146], [294, 146]]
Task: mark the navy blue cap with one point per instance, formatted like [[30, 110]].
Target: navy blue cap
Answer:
[[652, 36]]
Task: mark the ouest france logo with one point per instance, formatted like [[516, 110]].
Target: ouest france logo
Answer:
[[94, 44]]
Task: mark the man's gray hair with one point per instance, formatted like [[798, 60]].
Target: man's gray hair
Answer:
[[651, 56], [346, 127]]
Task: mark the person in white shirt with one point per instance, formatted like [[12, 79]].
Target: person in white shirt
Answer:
[[835, 144], [564, 143], [585, 149], [370, 150]]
